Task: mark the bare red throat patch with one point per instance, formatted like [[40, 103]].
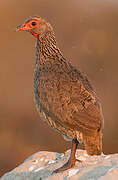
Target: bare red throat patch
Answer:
[[36, 35]]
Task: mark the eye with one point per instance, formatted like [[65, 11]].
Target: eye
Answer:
[[33, 23]]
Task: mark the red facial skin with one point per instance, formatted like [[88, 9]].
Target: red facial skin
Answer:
[[36, 35], [28, 26]]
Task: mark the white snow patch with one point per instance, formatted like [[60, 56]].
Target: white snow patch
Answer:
[[46, 160], [72, 172], [39, 169], [31, 168]]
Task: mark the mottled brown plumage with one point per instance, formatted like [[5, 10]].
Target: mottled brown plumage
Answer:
[[64, 97]]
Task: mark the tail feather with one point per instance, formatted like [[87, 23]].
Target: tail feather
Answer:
[[93, 144]]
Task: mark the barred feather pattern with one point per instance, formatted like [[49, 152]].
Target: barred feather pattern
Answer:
[[65, 98]]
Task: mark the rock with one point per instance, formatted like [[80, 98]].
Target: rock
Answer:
[[42, 164]]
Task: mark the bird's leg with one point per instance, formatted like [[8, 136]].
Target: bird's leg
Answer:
[[71, 162]]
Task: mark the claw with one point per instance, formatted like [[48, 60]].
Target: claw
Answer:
[[71, 162]]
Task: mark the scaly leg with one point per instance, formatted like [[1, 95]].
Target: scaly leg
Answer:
[[71, 162]]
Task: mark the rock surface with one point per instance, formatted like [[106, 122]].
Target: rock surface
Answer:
[[42, 164]]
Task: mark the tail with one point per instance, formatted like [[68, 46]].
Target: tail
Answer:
[[93, 144]]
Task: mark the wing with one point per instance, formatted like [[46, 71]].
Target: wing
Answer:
[[68, 97], [86, 112]]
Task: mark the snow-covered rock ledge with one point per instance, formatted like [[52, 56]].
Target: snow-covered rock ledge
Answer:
[[41, 165]]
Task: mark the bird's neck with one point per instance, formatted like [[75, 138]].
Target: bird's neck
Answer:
[[46, 48]]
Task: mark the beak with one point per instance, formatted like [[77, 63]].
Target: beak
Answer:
[[21, 28]]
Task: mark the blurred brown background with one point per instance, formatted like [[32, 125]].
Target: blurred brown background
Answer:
[[87, 34]]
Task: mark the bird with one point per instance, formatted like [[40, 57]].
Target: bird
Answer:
[[64, 97]]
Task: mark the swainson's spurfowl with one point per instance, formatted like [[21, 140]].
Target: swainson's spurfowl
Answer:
[[64, 96]]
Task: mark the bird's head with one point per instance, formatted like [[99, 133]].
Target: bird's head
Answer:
[[37, 26]]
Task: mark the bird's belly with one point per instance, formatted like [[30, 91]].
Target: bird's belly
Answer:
[[52, 100], [52, 121], [67, 133]]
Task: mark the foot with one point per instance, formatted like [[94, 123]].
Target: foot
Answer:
[[66, 166], [71, 162]]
